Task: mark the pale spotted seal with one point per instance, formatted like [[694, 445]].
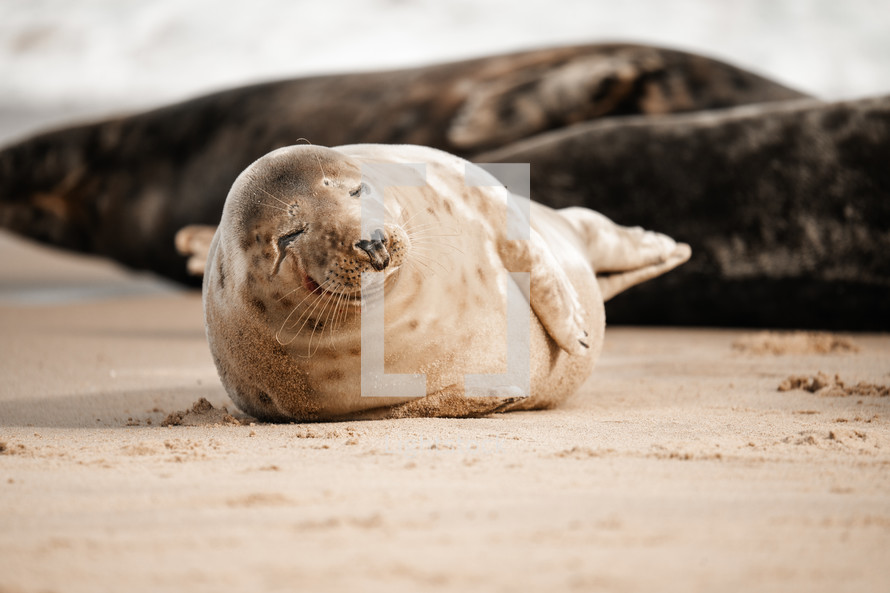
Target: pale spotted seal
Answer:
[[285, 304]]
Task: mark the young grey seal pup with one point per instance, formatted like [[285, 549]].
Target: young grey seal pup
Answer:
[[486, 302]]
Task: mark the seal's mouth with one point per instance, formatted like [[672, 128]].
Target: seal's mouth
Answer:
[[313, 287], [345, 293], [309, 284]]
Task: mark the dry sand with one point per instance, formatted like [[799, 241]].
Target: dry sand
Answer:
[[680, 466]]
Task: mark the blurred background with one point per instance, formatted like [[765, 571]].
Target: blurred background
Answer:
[[78, 59], [66, 61]]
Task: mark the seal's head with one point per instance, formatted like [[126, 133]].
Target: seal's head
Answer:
[[287, 264], [296, 216]]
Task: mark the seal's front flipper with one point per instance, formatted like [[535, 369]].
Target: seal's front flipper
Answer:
[[194, 241], [624, 256], [551, 294]]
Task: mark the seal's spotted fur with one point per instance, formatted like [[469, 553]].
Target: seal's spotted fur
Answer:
[[283, 295]]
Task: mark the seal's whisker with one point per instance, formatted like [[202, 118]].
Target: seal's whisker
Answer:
[[425, 260], [315, 293], [339, 316], [324, 175], [429, 244], [427, 236], [327, 311], [318, 293], [422, 254], [346, 309], [284, 296], [335, 310], [434, 241], [434, 266], [319, 322], [297, 306], [345, 312], [275, 198], [267, 205], [429, 248], [434, 271], [432, 236], [423, 231], [437, 224], [398, 273], [284, 323], [307, 314], [288, 343], [422, 272], [335, 314], [299, 331], [429, 223], [404, 223]]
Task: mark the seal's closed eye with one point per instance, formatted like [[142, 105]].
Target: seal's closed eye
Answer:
[[284, 242], [287, 239]]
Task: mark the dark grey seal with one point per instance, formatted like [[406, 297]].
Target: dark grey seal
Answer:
[[122, 188], [786, 207]]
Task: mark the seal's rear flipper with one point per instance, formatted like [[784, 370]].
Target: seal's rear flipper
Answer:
[[624, 256], [194, 241], [612, 284]]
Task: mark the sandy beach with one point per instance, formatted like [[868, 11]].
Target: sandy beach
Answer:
[[680, 465]]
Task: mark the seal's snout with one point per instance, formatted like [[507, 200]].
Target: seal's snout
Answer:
[[375, 249]]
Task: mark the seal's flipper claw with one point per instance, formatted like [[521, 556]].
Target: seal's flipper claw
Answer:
[[193, 242]]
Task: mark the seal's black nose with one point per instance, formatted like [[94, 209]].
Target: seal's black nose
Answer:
[[376, 249]]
